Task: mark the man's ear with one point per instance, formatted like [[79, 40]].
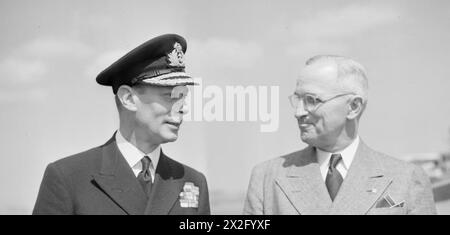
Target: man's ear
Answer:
[[127, 98], [356, 107]]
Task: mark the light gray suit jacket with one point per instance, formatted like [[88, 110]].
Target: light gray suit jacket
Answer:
[[292, 184]]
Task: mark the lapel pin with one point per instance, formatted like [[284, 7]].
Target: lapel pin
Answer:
[[376, 176], [374, 190]]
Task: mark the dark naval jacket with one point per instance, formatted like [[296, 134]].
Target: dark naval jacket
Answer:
[[100, 181]]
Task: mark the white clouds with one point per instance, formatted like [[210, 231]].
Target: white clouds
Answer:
[[103, 61], [24, 95], [347, 21], [32, 61], [328, 31], [32, 64], [311, 48], [19, 75], [21, 71], [217, 53], [52, 47]]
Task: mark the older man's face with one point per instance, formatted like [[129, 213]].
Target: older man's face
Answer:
[[321, 127], [160, 112]]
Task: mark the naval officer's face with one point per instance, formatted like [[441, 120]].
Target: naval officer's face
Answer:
[[321, 105], [160, 111]]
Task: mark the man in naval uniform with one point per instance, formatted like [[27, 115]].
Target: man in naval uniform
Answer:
[[130, 174]]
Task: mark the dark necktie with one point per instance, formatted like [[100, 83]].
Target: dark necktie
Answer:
[[145, 177], [334, 178]]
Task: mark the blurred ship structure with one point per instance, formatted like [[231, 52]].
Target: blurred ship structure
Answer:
[[437, 166]]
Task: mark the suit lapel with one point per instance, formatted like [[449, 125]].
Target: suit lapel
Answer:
[[363, 185], [166, 189], [118, 181], [304, 186]]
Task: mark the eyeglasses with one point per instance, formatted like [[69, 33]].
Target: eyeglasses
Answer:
[[311, 102]]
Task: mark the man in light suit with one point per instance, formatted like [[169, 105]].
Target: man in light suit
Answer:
[[337, 173], [130, 174]]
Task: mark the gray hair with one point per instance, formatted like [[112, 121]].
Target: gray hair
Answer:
[[351, 74]]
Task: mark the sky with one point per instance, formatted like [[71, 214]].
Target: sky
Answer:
[[51, 52]]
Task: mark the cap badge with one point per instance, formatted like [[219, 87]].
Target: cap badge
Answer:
[[176, 56]]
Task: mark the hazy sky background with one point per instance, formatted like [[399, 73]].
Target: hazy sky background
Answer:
[[51, 51]]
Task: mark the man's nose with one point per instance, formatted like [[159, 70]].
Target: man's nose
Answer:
[[184, 109], [179, 107], [300, 111]]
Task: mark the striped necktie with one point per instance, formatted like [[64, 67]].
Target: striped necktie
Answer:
[[334, 178], [145, 177]]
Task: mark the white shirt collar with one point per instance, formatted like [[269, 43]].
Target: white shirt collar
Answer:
[[348, 154], [133, 155]]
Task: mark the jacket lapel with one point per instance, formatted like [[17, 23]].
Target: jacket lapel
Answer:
[[304, 186], [167, 186], [363, 185], [118, 181]]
